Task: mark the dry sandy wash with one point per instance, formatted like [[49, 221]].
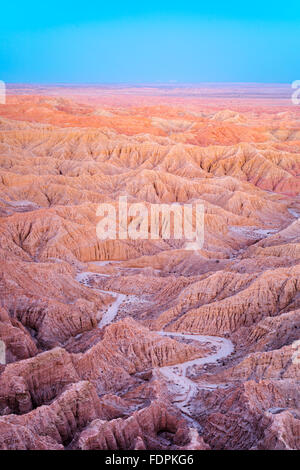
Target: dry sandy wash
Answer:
[[143, 344]]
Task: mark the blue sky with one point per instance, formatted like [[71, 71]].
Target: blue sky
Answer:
[[153, 42]]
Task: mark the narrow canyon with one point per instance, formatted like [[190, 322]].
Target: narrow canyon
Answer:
[[149, 343]]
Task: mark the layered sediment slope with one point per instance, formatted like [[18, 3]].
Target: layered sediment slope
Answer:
[[149, 343]]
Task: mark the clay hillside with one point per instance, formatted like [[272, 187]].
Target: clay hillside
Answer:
[[149, 343]]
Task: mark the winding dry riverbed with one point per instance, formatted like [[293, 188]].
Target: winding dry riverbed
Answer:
[[183, 389]]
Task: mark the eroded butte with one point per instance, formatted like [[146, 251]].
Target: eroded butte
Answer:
[[144, 344]]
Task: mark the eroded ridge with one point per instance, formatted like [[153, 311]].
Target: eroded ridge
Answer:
[[149, 343]]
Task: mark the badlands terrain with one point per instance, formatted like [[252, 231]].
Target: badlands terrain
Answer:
[[145, 344]]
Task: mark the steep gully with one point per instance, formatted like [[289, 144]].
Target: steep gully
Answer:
[[182, 388]]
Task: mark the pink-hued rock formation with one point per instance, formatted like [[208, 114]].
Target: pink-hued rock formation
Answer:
[[146, 344]]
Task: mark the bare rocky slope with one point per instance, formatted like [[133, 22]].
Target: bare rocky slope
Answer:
[[149, 344]]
